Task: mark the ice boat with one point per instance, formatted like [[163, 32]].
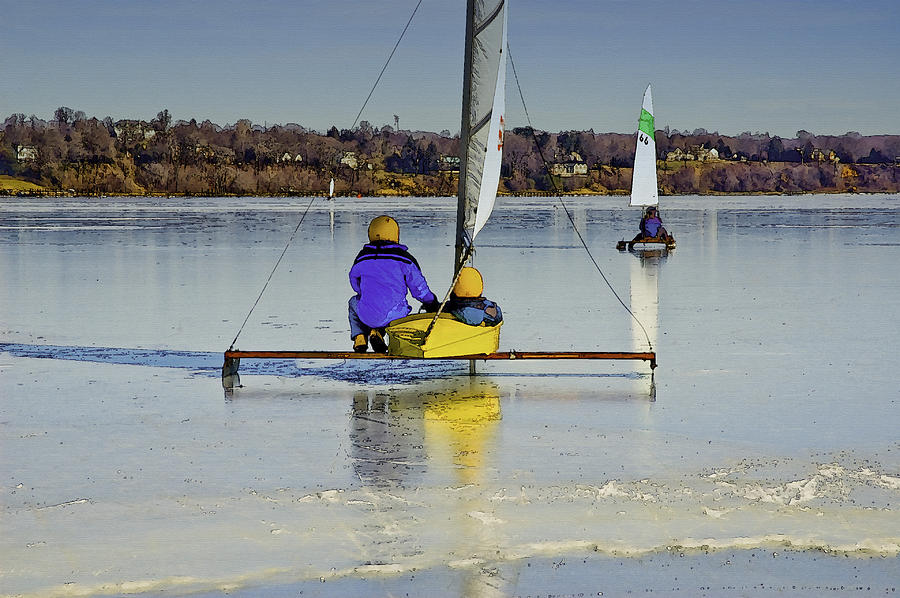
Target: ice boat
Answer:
[[481, 134], [644, 187], [440, 336]]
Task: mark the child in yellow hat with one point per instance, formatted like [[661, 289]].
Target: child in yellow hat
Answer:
[[466, 303]]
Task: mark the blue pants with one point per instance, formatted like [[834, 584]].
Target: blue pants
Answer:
[[357, 326]]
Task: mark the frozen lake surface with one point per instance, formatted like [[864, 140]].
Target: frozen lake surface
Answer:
[[769, 463]]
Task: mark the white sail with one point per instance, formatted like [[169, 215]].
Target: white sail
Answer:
[[331, 189], [643, 180], [483, 106]]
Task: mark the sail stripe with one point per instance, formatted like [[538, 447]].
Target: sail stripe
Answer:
[[646, 123], [482, 123], [369, 252], [486, 23]]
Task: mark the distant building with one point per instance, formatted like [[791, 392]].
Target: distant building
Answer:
[[215, 154], [817, 155], [287, 157], [449, 163], [679, 155], [573, 165], [698, 153], [133, 131], [26, 153], [349, 159]]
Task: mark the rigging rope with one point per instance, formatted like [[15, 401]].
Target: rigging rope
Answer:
[[297, 228], [384, 68], [272, 273], [563, 204], [470, 248]]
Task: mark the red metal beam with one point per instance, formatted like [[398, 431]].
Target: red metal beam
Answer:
[[508, 355]]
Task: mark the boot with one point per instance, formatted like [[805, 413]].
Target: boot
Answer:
[[376, 337], [359, 343]]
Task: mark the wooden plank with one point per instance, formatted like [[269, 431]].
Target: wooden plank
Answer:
[[507, 355]]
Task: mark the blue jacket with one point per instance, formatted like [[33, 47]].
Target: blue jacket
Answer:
[[475, 310], [381, 274]]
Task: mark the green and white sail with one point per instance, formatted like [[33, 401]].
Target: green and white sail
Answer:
[[643, 180], [481, 131]]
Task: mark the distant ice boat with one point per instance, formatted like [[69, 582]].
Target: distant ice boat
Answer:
[[644, 185]]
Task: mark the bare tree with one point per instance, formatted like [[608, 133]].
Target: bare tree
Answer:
[[163, 120], [63, 115]]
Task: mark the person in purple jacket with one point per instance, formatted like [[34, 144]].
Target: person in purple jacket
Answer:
[[651, 228], [381, 275]]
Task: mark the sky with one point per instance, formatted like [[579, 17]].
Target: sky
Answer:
[[776, 66]]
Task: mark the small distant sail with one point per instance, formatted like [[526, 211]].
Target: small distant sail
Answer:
[[643, 180], [331, 189], [483, 115]]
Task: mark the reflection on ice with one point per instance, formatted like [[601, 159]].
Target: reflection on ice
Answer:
[[645, 271], [644, 305], [449, 427], [450, 420]]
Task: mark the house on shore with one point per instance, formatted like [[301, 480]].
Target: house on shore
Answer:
[[698, 153], [26, 153], [572, 165], [287, 158], [448, 163]]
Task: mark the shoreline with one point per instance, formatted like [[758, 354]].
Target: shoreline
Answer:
[[708, 178], [578, 193]]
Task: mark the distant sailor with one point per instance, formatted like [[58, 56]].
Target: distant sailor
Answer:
[[381, 275], [466, 303], [651, 228]]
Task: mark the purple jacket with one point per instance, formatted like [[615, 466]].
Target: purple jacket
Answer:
[[650, 226], [381, 274]]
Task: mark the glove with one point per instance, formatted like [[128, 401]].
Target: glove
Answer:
[[431, 306]]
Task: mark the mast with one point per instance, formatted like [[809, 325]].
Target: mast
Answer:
[[481, 124], [464, 128], [481, 128]]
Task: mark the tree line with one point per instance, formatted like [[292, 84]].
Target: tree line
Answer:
[[71, 153]]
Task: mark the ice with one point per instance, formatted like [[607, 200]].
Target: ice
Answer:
[[126, 468]]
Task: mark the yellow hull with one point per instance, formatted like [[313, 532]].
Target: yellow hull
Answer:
[[449, 338]]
